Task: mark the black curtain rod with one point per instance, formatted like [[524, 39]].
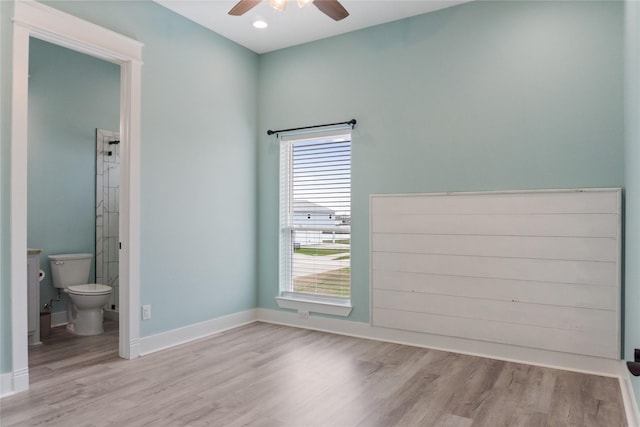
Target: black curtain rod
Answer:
[[351, 122]]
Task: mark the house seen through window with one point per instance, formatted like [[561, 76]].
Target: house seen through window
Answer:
[[315, 217]]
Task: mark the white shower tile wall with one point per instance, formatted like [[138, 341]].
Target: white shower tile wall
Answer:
[[107, 212]]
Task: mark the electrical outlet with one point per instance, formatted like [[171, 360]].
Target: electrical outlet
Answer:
[[146, 312], [303, 314]]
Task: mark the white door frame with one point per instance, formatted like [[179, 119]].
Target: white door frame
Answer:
[[33, 19]]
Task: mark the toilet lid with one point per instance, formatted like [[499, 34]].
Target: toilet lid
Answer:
[[89, 289]]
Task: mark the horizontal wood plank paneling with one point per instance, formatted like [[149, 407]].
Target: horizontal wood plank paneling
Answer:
[[543, 270], [585, 342], [546, 316], [538, 269], [562, 294], [544, 247], [532, 202], [555, 225]]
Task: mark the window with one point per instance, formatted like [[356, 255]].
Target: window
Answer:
[[315, 218]]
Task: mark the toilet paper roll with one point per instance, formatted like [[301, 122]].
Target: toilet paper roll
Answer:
[[41, 276]]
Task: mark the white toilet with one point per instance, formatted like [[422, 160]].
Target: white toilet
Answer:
[[71, 272]]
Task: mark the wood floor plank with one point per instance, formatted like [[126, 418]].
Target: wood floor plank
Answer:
[[271, 375]]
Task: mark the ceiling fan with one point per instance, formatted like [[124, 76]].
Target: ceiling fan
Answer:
[[331, 8]]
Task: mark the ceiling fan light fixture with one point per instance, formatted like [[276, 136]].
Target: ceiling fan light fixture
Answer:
[[332, 8], [260, 23], [278, 4]]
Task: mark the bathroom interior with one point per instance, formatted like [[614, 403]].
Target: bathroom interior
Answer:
[[72, 207]]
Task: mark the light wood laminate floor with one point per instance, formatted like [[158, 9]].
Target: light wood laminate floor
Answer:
[[270, 375]]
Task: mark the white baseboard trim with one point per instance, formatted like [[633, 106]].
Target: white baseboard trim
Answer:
[[21, 380], [135, 348], [59, 318], [6, 384], [628, 397], [178, 336], [14, 382], [531, 356]]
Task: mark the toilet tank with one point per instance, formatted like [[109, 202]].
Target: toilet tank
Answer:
[[70, 269]]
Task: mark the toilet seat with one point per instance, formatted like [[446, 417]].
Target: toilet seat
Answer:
[[89, 289]]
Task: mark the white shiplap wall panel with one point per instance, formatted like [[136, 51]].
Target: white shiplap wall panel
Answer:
[[556, 225], [540, 247], [533, 268], [580, 342], [546, 316], [542, 270], [526, 202], [563, 294]]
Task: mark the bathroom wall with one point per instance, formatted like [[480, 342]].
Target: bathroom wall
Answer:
[[481, 96], [70, 95]]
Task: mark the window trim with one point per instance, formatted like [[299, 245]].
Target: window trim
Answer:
[[314, 304], [286, 299]]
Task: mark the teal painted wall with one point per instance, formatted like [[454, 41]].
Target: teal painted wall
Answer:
[[70, 95], [482, 96], [632, 184]]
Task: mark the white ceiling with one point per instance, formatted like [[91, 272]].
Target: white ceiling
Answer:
[[296, 26]]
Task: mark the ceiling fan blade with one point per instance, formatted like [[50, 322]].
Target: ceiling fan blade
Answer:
[[243, 7], [332, 8]]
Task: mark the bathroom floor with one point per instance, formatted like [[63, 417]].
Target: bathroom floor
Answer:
[[62, 352]]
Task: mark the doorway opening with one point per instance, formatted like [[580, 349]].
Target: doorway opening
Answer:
[[33, 19]]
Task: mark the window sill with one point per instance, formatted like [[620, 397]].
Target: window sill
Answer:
[[314, 306]]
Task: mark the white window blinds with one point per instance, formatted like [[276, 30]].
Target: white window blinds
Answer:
[[315, 215]]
